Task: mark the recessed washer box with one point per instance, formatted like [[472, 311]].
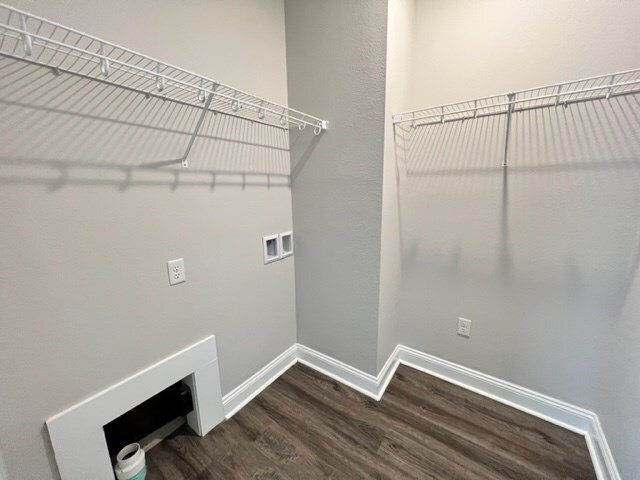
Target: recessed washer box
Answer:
[[271, 248], [286, 244]]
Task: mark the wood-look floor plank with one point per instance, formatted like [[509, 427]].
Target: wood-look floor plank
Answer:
[[283, 446], [306, 426], [322, 435], [401, 439], [537, 447], [513, 425]]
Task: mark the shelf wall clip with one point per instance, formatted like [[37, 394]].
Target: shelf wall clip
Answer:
[[510, 109], [558, 95], [235, 103], [202, 95], [611, 85], [196, 129], [161, 81], [27, 44], [104, 62]]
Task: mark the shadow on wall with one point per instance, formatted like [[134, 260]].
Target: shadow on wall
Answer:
[[534, 251], [61, 130], [303, 143]]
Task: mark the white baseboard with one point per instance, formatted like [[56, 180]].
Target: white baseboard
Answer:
[[550, 409], [246, 391], [601, 455], [542, 406], [352, 377]]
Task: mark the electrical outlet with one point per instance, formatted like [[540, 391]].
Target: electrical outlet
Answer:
[[286, 244], [270, 248], [177, 273], [464, 327]]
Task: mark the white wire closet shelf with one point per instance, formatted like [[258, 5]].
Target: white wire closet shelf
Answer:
[[63, 50], [601, 87]]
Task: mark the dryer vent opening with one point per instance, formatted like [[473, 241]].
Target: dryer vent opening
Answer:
[[153, 419]]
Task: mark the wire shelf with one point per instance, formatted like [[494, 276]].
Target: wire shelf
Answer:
[[66, 51], [601, 87]]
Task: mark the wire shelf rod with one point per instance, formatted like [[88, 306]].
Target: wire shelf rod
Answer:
[[525, 100], [239, 101], [528, 108], [147, 94], [560, 95], [111, 58], [124, 49]]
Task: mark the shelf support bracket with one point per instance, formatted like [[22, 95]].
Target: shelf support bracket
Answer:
[[611, 85], [510, 107], [196, 129], [27, 44]]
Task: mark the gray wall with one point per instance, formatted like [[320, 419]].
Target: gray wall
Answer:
[[399, 56], [541, 256], [619, 401], [85, 233], [336, 69]]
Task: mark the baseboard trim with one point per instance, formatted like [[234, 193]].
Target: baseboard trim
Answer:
[[550, 409], [388, 371], [542, 406], [601, 454], [363, 382], [247, 390]]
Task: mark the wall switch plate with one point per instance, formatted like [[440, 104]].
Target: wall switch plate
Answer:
[[464, 327], [286, 244], [177, 273], [271, 248]]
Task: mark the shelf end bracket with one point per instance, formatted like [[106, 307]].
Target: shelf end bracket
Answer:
[[510, 107], [196, 129]]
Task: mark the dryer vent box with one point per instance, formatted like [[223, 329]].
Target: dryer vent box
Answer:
[[132, 426]]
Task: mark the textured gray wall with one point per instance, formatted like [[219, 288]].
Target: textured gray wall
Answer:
[[619, 401], [84, 289], [336, 69], [540, 256], [399, 57]]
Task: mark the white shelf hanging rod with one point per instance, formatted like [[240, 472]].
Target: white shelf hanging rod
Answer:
[[97, 58], [516, 102], [413, 116], [256, 104], [529, 108], [57, 71]]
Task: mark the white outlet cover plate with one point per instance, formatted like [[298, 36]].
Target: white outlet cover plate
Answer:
[[464, 327], [270, 248], [284, 238], [177, 273]]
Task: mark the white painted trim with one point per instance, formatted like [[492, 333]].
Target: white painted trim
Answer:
[[363, 382], [387, 371], [603, 460], [550, 409], [245, 392], [77, 436], [537, 404]]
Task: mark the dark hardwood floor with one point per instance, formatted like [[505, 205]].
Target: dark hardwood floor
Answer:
[[307, 426]]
